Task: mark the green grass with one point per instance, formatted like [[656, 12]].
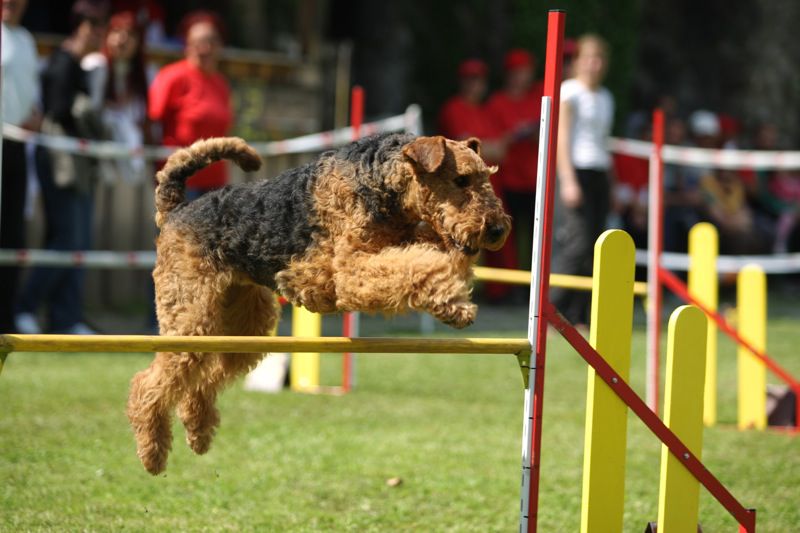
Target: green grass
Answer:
[[449, 426]]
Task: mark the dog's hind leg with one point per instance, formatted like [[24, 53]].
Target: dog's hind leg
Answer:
[[246, 310], [398, 278], [188, 300]]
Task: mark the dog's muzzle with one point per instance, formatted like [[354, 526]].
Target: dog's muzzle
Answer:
[[494, 236]]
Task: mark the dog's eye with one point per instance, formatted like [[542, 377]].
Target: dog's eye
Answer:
[[461, 181]]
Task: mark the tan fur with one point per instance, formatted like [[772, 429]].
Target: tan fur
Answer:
[[416, 260]]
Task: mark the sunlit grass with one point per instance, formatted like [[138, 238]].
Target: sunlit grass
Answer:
[[448, 426]]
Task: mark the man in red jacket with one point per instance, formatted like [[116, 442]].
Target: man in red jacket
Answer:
[[515, 111], [463, 115]]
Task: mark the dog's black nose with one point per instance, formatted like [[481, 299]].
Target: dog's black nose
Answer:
[[495, 232]]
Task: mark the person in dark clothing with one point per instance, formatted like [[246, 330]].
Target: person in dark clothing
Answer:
[[66, 180]]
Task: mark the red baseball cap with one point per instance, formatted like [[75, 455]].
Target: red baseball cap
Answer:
[[518, 58], [570, 47], [472, 68]]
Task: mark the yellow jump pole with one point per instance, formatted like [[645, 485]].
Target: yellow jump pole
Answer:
[[305, 365], [703, 285], [679, 491], [523, 277], [606, 415], [751, 290], [154, 343]]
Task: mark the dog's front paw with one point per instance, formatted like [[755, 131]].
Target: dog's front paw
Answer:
[[457, 315]]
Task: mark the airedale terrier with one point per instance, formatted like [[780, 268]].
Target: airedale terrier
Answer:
[[385, 224]]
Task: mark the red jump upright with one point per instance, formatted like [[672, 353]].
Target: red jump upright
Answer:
[[540, 272]]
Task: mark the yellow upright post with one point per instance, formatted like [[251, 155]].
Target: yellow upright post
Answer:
[[606, 415], [679, 491], [703, 285], [751, 288], [305, 366]]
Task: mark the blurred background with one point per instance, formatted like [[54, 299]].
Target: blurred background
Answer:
[[733, 57], [724, 72]]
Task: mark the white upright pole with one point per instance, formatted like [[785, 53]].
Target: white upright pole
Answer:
[[533, 309]]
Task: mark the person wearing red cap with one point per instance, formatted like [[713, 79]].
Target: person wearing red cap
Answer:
[[192, 100], [463, 116], [515, 112]]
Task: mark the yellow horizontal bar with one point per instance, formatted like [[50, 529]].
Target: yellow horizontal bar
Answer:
[[523, 277], [153, 343]]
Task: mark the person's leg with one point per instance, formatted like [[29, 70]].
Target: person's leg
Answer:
[[598, 203], [12, 226], [42, 280], [66, 310], [570, 245]]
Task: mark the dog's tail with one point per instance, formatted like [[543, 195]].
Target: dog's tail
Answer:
[[171, 188]]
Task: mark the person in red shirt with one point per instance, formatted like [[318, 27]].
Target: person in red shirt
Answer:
[[463, 115], [192, 100], [515, 111]]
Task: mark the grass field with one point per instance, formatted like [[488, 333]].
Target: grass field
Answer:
[[448, 426]]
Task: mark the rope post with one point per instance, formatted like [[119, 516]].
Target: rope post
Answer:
[[305, 365], [751, 317], [655, 242], [703, 284], [350, 320], [540, 274]]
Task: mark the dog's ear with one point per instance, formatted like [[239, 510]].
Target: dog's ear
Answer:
[[427, 152], [474, 144]]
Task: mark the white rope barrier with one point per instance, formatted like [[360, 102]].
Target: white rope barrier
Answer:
[[409, 121], [704, 157], [92, 259], [771, 264]]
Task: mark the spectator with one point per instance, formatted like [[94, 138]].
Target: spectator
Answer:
[[775, 196], [20, 97], [191, 99], [684, 203], [586, 115], [463, 116], [118, 85], [66, 181], [630, 192], [727, 208], [149, 16], [515, 112], [729, 129]]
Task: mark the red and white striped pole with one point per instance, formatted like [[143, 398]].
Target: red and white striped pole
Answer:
[[350, 321], [540, 273], [655, 242]]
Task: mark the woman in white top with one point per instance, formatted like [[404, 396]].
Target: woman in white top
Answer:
[[583, 162]]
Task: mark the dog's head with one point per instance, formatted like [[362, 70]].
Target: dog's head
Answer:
[[450, 191]]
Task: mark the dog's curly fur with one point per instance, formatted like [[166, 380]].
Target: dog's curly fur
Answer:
[[385, 224]]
